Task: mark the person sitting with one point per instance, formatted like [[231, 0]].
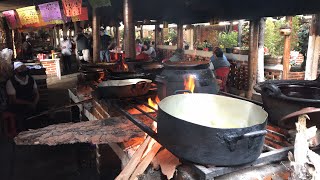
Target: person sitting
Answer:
[[221, 67], [212, 58], [138, 46], [178, 55], [218, 59], [22, 93], [149, 50]]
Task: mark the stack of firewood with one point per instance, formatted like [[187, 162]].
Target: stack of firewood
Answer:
[[305, 163]]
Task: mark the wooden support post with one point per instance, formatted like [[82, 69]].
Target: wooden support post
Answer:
[[82, 24], [64, 29], [117, 36], [129, 30], [286, 51], [260, 74], [180, 36], [253, 55], [313, 48], [240, 33], [75, 25], [141, 32], [156, 35], [9, 43], [95, 35]]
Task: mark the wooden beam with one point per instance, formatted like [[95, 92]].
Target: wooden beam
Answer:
[[260, 73], [75, 25], [180, 36], [313, 49], [286, 51], [253, 55], [95, 35], [129, 30], [111, 130], [9, 39]]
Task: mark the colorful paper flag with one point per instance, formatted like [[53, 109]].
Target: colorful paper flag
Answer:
[[82, 17], [100, 3], [72, 7], [11, 18], [50, 11], [28, 15]]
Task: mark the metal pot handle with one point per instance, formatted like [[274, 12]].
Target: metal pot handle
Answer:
[[272, 88], [182, 91], [231, 140], [141, 83]]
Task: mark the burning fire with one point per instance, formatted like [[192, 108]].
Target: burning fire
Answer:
[[189, 83], [154, 104], [151, 102]]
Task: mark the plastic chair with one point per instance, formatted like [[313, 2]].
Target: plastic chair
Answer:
[[222, 74]]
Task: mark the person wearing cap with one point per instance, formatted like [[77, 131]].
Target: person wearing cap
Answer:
[[27, 50], [105, 42], [66, 53], [22, 93]]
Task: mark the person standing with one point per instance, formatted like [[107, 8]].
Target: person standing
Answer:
[[27, 50], [22, 93], [66, 46], [82, 44], [218, 59], [105, 42]]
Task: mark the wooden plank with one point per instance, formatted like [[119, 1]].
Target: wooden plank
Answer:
[[134, 161], [265, 158], [167, 161], [111, 130], [146, 161]]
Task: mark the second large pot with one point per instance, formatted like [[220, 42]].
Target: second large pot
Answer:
[[175, 74]]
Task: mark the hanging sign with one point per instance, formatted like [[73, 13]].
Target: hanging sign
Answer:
[[100, 3], [82, 17], [50, 11], [72, 7], [11, 18], [28, 15]]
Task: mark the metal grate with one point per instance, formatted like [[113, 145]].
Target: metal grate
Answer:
[[276, 146]]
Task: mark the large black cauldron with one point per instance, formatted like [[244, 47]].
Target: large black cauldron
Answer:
[[175, 73], [281, 98]]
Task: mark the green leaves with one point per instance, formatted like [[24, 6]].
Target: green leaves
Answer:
[[228, 40]]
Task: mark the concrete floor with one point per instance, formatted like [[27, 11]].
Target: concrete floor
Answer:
[[44, 162]]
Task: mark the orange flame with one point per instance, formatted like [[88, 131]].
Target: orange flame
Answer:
[[189, 83], [151, 102]]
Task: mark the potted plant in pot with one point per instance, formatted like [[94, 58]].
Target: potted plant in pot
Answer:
[[207, 46], [244, 50], [228, 40]]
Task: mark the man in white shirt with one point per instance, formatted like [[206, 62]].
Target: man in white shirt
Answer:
[[66, 46]]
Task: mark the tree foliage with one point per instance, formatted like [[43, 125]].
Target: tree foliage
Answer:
[[228, 40]]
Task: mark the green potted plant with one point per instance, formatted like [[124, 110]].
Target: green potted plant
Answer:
[[244, 50], [228, 40]]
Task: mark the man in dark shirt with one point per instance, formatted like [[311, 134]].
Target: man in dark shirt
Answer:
[[82, 43], [105, 42], [27, 50]]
